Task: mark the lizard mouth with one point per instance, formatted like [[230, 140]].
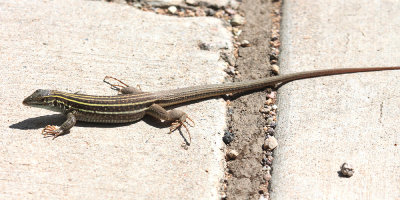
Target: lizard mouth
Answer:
[[27, 102], [32, 102]]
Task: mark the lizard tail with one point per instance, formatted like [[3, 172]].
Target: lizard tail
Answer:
[[182, 95]]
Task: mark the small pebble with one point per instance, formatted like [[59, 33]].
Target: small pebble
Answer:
[[270, 120], [270, 143], [190, 13], [264, 110], [271, 95], [219, 14], [270, 158], [346, 170], [230, 11], [172, 9], [235, 4], [181, 13], [270, 131], [237, 20], [262, 197], [230, 110], [275, 44], [267, 177], [273, 125], [275, 69], [232, 155], [274, 107], [137, 5], [275, 50], [160, 11], [191, 2], [236, 31], [268, 153], [228, 137], [200, 13], [245, 43], [266, 168], [210, 12], [269, 101], [264, 161], [273, 56]]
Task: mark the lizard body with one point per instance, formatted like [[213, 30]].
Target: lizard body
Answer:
[[133, 104]]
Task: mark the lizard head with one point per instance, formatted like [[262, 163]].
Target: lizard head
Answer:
[[40, 98]]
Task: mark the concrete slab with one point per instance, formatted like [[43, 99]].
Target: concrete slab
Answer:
[[71, 46], [350, 118]]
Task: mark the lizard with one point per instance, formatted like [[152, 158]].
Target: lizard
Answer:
[[133, 104]]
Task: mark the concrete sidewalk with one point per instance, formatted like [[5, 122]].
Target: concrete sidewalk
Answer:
[[324, 122], [70, 46]]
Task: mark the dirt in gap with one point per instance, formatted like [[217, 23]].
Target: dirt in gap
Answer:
[[245, 177]]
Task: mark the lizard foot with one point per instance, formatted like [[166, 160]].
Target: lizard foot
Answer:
[[124, 88], [51, 130], [115, 86], [179, 123]]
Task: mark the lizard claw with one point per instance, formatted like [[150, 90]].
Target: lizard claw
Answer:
[[193, 124], [51, 130]]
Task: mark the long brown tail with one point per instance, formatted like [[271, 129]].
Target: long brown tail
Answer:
[[182, 95]]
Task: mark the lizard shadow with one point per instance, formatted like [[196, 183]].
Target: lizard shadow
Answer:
[[38, 122], [57, 119]]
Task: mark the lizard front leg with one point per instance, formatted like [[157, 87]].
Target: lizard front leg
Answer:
[[177, 117], [68, 124]]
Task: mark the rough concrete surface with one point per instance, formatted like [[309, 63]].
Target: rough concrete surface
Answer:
[[70, 46], [324, 122]]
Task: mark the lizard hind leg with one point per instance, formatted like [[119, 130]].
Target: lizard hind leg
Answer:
[[177, 117], [124, 88]]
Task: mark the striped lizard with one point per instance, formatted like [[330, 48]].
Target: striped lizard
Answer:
[[133, 104]]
